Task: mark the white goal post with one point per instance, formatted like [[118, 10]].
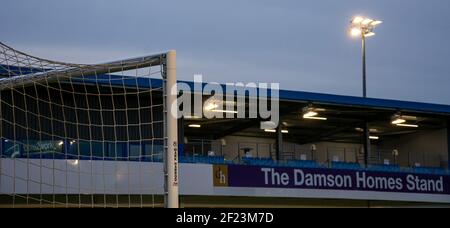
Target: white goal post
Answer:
[[171, 160]]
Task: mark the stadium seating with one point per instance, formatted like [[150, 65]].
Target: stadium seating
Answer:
[[269, 162], [259, 161], [123, 155], [302, 164], [346, 165], [204, 159], [430, 170], [385, 168]]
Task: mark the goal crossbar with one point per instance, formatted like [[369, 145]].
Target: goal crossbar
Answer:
[[73, 70]]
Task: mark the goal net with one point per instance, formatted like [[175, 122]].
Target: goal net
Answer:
[[78, 135]]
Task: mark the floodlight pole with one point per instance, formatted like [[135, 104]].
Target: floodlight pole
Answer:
[[364, 26], [171, 199], [364, 64], [366, 124]]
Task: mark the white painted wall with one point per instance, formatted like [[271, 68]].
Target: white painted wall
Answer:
[[35, 176]]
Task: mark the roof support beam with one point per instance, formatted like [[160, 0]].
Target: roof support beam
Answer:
[[279, 143], [366, 143]]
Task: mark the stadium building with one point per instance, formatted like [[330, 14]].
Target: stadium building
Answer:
[[95, 135]]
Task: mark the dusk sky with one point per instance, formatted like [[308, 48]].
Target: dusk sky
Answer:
[[303, 45]]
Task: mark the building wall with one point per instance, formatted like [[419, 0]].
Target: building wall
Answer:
[[429, 148], [263, 147], [60, 177], [328, 151]]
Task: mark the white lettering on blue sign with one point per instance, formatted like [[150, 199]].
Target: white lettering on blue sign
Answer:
[[358, 180]]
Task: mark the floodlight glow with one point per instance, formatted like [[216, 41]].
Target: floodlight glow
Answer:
[[398, 120], [355, 32], [224, 111], [367, 21], [195, 125], [274, 131], [374, 137], [408, 125], [73, 162], [371, 130], [310, 114], [357, 20], [229, 102], [211, 106], [315, 118], [363, 26], [192, 117], [369, 34], [375, 23]]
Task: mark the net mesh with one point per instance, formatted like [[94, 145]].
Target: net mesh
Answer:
[[79, 135]]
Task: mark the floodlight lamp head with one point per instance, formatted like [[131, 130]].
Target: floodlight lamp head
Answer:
[[357, 20], [355, 32], [362, 26]]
